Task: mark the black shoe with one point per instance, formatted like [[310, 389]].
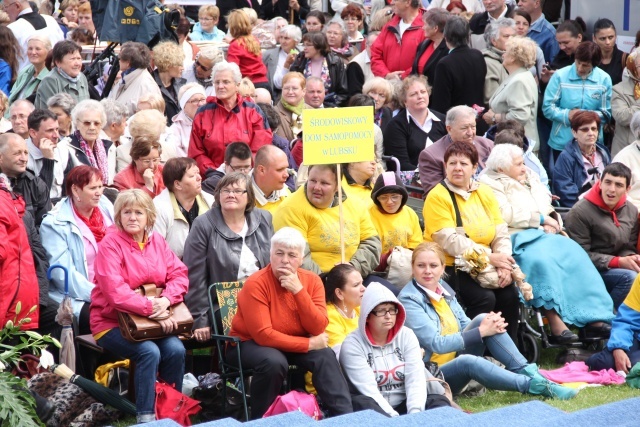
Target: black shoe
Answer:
[[566, 337], [599, 329]]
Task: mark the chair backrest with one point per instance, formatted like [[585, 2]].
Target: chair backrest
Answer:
[[227, 295]]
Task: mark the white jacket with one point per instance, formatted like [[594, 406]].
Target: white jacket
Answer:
[[630, 157]]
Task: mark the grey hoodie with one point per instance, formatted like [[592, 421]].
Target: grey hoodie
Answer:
[[391, 373]]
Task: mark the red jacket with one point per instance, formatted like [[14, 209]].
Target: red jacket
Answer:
[[121, 266], [390, 52], [251, 65], [130, 178], [215, 127], [18, 279]]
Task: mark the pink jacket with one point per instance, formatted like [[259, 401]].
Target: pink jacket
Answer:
[[121, 267], [130, 178]]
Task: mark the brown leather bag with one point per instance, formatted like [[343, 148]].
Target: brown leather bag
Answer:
[[137, 328]]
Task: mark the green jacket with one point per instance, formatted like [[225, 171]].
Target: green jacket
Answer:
[[26, 84]]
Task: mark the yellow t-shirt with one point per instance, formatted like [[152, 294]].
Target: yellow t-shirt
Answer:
[[358, 192], [321, 227], [339, 326], [273, 206], [480, 214], [399, 229], [448, 326], [633, 297]]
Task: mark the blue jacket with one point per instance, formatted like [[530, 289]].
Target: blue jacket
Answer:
[[569, 174], [197, 34], [5, 77], [425, 322], [63, 241], [542, 32], [566, 91]]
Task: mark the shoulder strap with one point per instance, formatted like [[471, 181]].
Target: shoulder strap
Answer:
[[455, 204]]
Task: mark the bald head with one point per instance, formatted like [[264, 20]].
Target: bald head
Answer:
[[13, 154], [263, 96], [271, 169]]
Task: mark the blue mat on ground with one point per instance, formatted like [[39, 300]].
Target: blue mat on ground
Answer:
[[439, 417], [160, 423], [225, 422], [366, 418], [516, 415], [621, 413], [290, 419]]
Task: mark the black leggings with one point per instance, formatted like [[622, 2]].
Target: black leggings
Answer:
[[478, 300]]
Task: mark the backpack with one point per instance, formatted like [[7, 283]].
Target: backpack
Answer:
[[295, 401]]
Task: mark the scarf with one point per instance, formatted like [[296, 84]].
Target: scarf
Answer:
[[296, 115], [72, 80], [595, 196], [633, 74], [97, 157], [95, 222]]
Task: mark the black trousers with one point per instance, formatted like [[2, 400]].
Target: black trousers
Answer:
[[270, 368], [478, 300], [362, 402]]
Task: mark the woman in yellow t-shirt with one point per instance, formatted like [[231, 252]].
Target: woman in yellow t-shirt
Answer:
[[479, 215]]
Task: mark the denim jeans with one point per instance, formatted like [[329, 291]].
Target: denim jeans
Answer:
[[618, 282], [165, 356], [469, 364]]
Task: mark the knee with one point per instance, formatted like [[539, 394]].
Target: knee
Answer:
[[175, 350], [148, 352], [467, 362], [273, 364]]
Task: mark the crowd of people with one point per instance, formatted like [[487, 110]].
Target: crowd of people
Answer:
[[522, 137]]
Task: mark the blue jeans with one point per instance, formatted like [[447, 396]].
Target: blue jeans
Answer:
[[469, 364], [618, 282], [165, 355]]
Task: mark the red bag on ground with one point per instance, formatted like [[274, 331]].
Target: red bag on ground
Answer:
[[295, 401], [170, 403]]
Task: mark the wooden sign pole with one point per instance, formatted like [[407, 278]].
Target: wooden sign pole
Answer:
[[342, 260]]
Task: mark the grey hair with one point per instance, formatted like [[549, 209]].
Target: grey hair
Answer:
[[114, 110], [211, 53], [456, 112], [228, 66], [343, 28], [4, 141], [292, 31], [635, 125], [86, 106], [42, 39], [62, 100], [19, 102], [492, 32], [289, 238], [276, 19], [502, 157]]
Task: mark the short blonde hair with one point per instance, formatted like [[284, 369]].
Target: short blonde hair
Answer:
[[252, 14], [136, 198], [246, 87], [42, 39], [428, 247], [154, 100], [147, 124], [210, 10], [378, 84], [4, 102], [65, 4], [166, 55], [408, 82], [522, 50], [294, 75]]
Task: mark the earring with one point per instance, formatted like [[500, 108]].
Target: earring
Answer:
[[344, 304]]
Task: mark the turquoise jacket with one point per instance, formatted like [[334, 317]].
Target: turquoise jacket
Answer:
[[423, 319], [26, 84], [566, 91], [63, 241], [197, 34]]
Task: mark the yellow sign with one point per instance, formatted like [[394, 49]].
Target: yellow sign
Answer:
[[337, 135]]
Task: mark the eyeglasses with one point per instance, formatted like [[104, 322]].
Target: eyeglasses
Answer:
[[390, 197], [235, 192], [206, 19], [149, 161], [351, 18], [383, 312], [4, 5], [89, 123], [587, 129], [197, 101], [243, 169], [202, 67], [222, 82]]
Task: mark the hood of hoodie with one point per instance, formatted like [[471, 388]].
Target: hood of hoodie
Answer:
[[389, 182], [377, 294]]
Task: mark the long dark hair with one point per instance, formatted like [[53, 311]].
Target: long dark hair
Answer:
[[10, 51], [336, 279]]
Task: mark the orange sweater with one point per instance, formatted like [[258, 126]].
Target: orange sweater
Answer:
[[274, 317]]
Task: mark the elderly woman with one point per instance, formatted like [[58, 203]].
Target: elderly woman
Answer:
[[281, 320], [523, 23], [433, 48], [496, 36], [84, 144], [480, 218], [244, 49], [226, 118], [71, 233], [205, 29], [313, 210], [569, 290], [31, 76], [415, 127], [624, 105], [66, 76], [61, 105], [457, 343], [291, 106], [129, 257], [352, 16], [180, 203], [579, 166], [318, 60], [168, 58], [135, 59], [145, 170], [382, 360], [562, 101], [279, 59], [381, 91], [517, 96], [630, 157], [191, 96], [338, 40], [200, 70], [227, 243]]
